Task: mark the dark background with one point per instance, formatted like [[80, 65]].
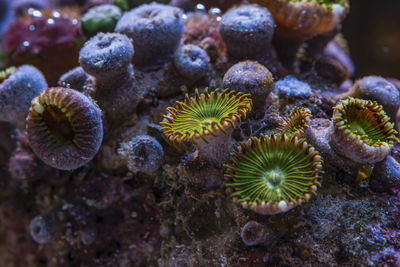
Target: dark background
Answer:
[[372, 30]]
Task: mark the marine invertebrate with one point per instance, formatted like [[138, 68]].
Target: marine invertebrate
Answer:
[[206, 119], [299, 20], [247, 31], [191, 61], [101, 18], [19, 87], [273, 174], [155, 29], [254, 233], [64, 128], [253, 78], [297, 122], [361, 130], [42, 229], [377, 89], [142, 154], [108, 56], [306, 18], [115, 211]]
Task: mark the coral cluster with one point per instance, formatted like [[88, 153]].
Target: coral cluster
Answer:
[[184, 133], [208, 120]]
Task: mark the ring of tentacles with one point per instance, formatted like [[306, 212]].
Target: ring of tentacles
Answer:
[[64, 128], [272, 174], [206, 114], [362, 131]]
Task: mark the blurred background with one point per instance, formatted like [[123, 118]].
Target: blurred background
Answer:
[[372, 30]]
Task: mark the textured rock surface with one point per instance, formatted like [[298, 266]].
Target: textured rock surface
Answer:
[[104, 214]]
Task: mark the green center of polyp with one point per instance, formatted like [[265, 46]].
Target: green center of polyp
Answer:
[[357, 129], [274, 178], [203, 116], [363, 123], [58, 124]]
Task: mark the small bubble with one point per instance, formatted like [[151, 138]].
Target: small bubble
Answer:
[[200, 7], [66, 85], [36, 14], [75, 21], [26, 43], [31, 28], [215, 11], [56, 14], [50, 21], [39, 230]]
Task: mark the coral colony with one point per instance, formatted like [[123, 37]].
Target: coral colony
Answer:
[[176, 133]]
